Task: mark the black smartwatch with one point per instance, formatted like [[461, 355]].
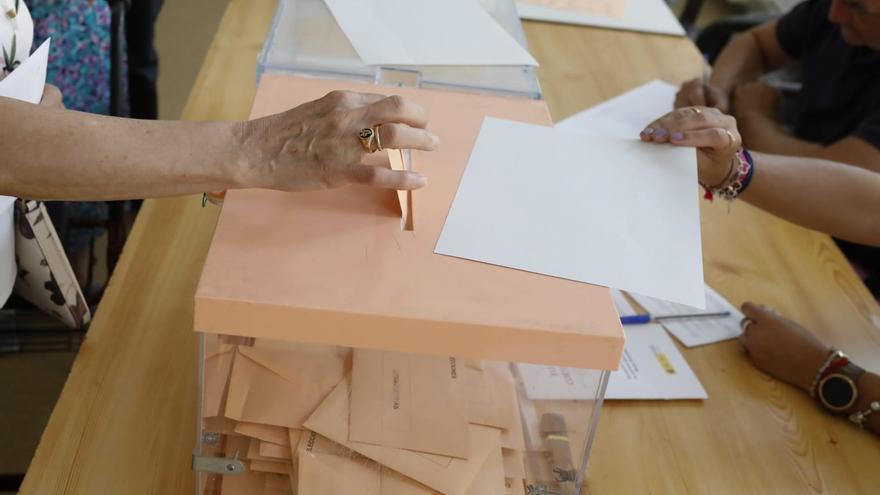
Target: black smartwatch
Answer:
[[837, 391]]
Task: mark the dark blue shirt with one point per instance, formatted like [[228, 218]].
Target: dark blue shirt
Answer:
[[841, 92]]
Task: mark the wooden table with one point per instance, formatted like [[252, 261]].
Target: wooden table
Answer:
[[125, 422]]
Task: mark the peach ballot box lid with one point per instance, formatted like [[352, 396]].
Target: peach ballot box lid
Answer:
[[334, 267]]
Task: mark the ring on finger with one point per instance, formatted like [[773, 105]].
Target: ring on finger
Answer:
[[745, 324], [731, 137], [369, 139], [378, 137], [696, 110]]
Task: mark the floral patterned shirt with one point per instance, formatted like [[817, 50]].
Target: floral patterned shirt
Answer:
[[16, 34]]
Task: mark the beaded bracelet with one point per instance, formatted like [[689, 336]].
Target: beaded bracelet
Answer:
[[742, 169]]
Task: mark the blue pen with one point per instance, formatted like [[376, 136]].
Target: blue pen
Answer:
[[646, 318], [636, 319]]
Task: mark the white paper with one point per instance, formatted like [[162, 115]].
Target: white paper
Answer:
[[651, 368], [26, 83], [694, 332], [625, 115], [613, 212], [624, 308], [426, 32], [651, 16], [7, 248]]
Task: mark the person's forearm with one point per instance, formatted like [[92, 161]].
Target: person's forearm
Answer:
[[764, 134], [831, 197], [740, 61], [59, 154]]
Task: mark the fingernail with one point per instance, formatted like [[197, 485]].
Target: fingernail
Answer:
[[660, 133], [677, 136], [648, 131]]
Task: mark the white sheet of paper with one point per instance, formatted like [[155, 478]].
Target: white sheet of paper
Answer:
[[651, 16], [26, 83], [694, 332], [624, 308], [613, 212], [652, 368], [625, 115], [426, 32]]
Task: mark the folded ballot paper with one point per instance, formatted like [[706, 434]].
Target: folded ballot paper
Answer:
[[390, 424]]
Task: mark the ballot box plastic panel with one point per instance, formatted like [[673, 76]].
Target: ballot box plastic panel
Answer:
[[306, 40], [299, 290], [278, 417]]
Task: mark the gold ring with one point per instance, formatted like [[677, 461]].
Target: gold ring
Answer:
[[368, 137], [378, 137], [732, 139]]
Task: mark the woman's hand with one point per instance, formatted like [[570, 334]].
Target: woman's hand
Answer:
[[780, 347], [712, 132], [316, 145], [695, 93]]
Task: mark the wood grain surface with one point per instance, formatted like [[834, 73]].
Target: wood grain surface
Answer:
[[125, 422]]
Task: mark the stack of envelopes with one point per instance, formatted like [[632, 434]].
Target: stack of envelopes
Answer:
[[314, 419]]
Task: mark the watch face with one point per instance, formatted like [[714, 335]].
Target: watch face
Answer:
[[837, 392]]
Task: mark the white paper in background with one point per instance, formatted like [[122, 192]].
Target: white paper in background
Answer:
[[651, 16], [26, 83], [694, 332], [426, 32], [651, 368], [612, 212], [624, 308], [625, 115]]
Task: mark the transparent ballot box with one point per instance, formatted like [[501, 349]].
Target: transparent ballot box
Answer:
[[340, 354], [305, 39]]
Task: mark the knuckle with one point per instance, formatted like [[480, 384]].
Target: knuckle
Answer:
[[397, 103]]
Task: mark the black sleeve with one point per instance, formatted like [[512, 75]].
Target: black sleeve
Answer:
[[869, 130], [795, 29]]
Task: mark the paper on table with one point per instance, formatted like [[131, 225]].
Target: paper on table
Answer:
[[694, 332], [624, 308], [652, 368], [448, 475], [425, 32], [625, 115], [652, 16], [26, 82], [280, 384], [561, 204], [407, 401], [606, 8]]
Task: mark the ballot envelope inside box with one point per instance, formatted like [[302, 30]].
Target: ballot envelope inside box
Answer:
[[340, 354]]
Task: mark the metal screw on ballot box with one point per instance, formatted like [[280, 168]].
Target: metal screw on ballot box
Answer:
[[218, 465]]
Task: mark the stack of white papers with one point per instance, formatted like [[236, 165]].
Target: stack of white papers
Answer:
[[612, 212], [652, 368], [426, 32], [694, 332]]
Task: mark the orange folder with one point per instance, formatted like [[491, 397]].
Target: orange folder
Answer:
[[335, 267]]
